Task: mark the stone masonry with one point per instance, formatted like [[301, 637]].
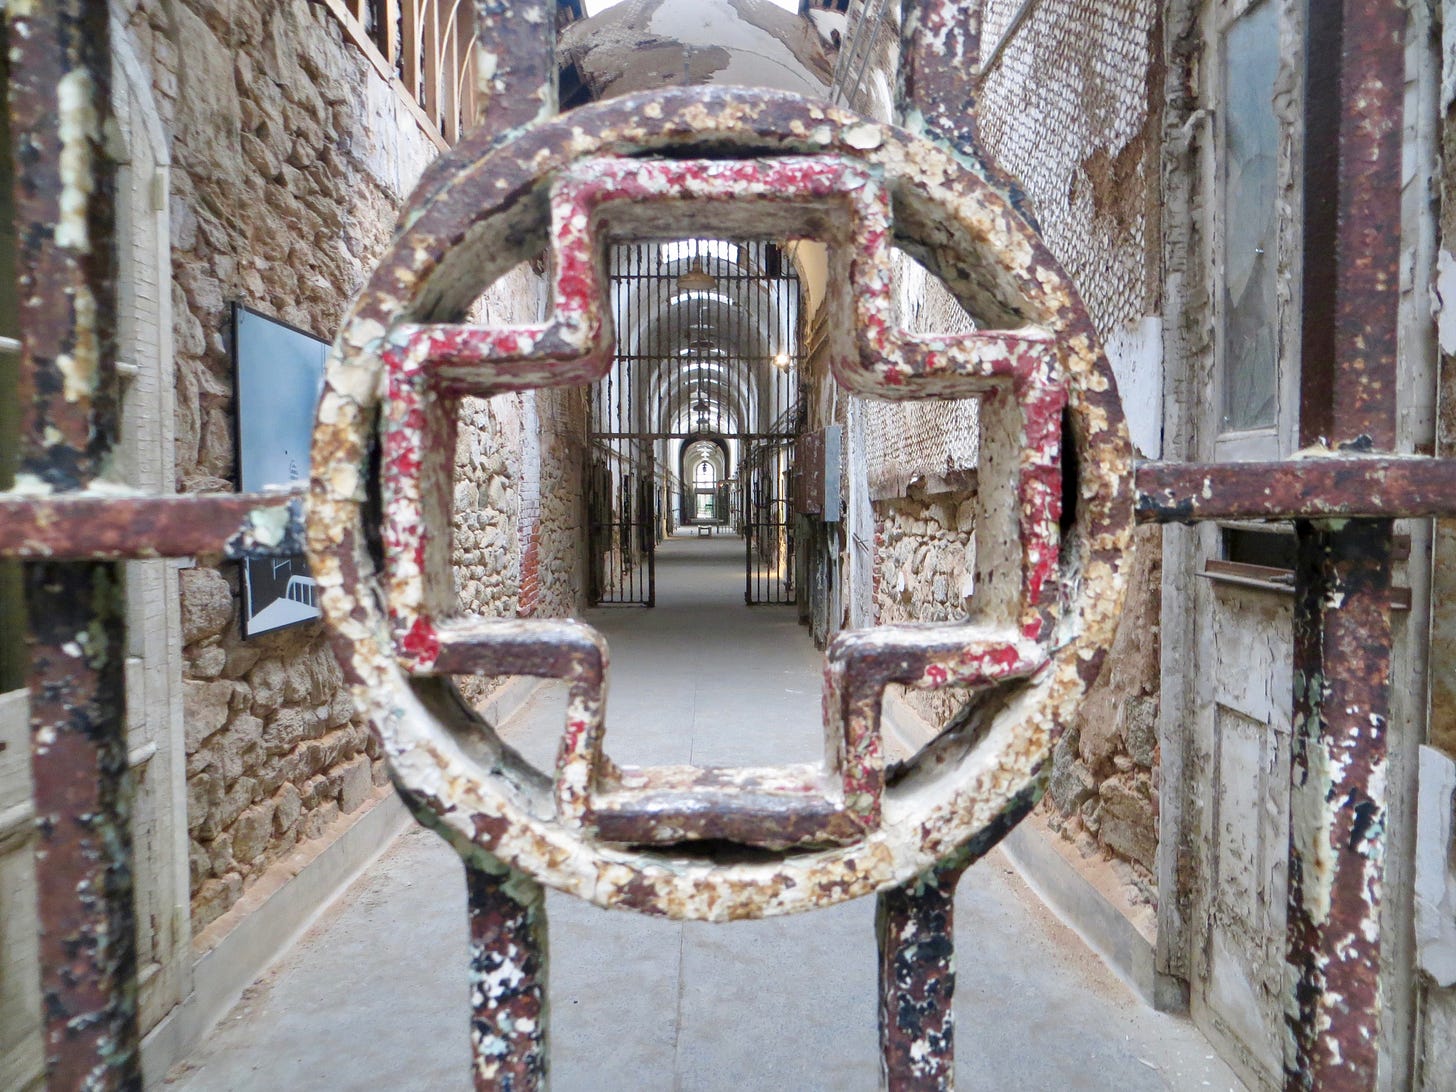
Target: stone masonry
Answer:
[[292, 158], [290, 162]]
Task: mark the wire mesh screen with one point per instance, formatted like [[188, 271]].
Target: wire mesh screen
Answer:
[[704, 387], [907, 442]]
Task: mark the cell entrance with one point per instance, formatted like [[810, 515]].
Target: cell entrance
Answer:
[[692, 429]]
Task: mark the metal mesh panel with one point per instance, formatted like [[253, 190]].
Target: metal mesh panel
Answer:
[[1065, 111], [906, 441]]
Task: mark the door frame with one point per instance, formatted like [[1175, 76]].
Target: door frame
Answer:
[[1191, 243]]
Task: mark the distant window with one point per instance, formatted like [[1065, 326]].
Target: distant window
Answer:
[[684, 249], [1250, 221]]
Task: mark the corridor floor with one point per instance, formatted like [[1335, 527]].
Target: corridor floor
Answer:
[[374, 995]]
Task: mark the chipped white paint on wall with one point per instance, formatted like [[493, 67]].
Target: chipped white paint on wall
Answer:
[[1135, 351], [1435, 881], [1444, 302]]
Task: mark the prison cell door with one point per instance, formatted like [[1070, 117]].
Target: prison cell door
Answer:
[[1229, 585], [768, 525], [622, 527]]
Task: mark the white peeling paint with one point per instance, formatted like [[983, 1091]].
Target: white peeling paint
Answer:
[[78, 124], [1435, 877], [1135, 352], [1443, 301]]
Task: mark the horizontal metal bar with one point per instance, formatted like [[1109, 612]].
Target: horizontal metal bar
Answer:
[[107, 526], [1318, 487], [1278, 581]]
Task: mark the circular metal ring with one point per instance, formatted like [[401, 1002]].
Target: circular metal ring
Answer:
[[483, 209]]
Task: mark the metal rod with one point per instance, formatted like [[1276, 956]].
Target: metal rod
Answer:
[[59, 100], [64, 526], [1337, 487], [1342, 642], [518, 86], [915, 935], [507, 978]]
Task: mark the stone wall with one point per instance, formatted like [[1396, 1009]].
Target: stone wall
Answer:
[[290, 163], [291, 160], [518, 509], [1103, 794], [558, 568]]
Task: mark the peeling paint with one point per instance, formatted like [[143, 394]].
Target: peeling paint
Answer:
[[937, 804]]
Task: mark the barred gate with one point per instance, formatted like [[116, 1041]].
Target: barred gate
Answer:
[[705, 370], [768, 521], [71, 531]]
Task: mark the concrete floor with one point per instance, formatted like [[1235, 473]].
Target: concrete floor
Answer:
[[374, 995]]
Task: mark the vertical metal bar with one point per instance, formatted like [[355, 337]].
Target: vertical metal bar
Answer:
[[508, 957], [915, 935], [940, 47], [1342, 642], [410, 30], [59, 98], [430, 61], [633, 448], [650, 539]]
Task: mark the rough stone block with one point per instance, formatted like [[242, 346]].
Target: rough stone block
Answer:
[[1071, 781], [205, 707], [1141, 730], [208, 662], [204, 796], [233, 746], [199, 864], [316, 790], [355, 784], [319, 820], [251, 832], [1133, 840], [1128, 795], [220, 854], [237, 798], [207, 604], [214, 898], [285, 729], [268, 680], [287, 807]]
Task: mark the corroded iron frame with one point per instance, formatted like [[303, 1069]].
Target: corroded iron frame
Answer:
[[1342, 499], [957, 798]]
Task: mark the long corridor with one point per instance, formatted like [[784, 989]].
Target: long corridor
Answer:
[[374, 995]]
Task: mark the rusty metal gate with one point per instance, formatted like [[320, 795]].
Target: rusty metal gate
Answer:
[[613, 835], [703, 380], [768, 523], [621, 526]]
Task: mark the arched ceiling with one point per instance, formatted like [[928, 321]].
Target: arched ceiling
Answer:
[[648, 44]]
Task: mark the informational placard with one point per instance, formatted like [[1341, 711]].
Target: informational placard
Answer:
[[280, 374]]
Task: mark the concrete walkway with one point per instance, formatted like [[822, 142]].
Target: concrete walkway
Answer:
[[374, 995]]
